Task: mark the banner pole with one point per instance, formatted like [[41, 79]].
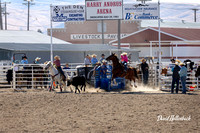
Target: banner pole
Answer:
[[159, 38], [51, 53]]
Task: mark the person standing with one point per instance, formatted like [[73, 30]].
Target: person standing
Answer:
[[183, 75], [37, 60], [145, 71], [94, 60], [24, 60], [87, 60], [58, 66], [102, 58], [175, 78]]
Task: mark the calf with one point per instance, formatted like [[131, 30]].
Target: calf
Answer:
[[164, 71], [76, 81], [197, 74]]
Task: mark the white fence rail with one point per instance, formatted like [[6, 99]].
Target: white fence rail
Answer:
[[3, 76], [34, 76]]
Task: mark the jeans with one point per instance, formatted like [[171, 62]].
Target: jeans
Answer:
[[145, 77], [175, 80], [61, 72], [183, 82]]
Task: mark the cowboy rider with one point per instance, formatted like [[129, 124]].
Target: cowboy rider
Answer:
[[58, 66]]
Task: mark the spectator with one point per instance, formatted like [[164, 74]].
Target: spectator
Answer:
[[24, 60], [87, 60], [183, 75], [58, 66], [104, 69], [175, 78], [94, 60], [102, 58], [145, 71], [66, 66], [37, 60]]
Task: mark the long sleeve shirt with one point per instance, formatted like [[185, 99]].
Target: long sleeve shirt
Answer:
[[183, 71], [94, 61], [24, 61], [86, 61], [57, 63]]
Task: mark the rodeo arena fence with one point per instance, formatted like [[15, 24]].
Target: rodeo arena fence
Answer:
[[29, 76]]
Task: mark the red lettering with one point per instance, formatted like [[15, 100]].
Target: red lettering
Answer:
[[117, 3], [93, 4], [104, 11]]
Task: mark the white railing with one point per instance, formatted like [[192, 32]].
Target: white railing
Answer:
[[30, 76], [3, 78]]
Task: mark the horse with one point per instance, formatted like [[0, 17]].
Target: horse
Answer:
[[56, 76], [119, 71]]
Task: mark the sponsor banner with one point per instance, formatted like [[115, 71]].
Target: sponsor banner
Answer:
[[94, 36], [68, 13], [104, 9], [140, 11]]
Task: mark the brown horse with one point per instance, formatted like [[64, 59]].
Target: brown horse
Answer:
[[119, 71]]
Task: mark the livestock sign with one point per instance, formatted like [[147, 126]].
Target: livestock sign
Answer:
[[140, 11], [104, 9], [68, 13]]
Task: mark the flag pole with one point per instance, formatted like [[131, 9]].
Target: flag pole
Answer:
[[51, 53]]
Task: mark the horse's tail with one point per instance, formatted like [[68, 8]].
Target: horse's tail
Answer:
[[134, 69]]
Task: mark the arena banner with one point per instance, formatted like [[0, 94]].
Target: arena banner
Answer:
[[104, 9], [66, 13], [140, 11], [95, 36]]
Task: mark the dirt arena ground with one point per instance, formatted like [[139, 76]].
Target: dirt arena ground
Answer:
[[138, 110]]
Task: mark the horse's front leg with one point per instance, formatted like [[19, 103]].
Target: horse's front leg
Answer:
[[134, 83]]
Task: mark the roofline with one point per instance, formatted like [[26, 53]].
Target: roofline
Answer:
[[168, 34], [129, 35], [151, 29]]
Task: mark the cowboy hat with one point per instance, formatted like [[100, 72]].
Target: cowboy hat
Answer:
[[24, 57], [124, 53], [104, 61], [57, 57], [94, 55], [143, 59], [37, 58]]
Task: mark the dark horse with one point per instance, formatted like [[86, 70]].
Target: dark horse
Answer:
[[119, 71]]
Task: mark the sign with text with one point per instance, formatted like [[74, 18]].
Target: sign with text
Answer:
[[68, 13], [94, 36], [140, 11], [104, 9]]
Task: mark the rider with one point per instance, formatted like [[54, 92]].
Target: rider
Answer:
[[58, 67], [124, 59]]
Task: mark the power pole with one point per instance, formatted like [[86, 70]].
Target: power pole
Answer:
[[195, 14], [28, 4], [5, 13], [1, 22]]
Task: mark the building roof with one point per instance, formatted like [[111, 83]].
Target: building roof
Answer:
[[167, 24], [185, 33], [28, 37], [60, 47], [167, 34]]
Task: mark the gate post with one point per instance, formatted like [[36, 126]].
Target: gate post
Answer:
[[14, 77], [32, 76]]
